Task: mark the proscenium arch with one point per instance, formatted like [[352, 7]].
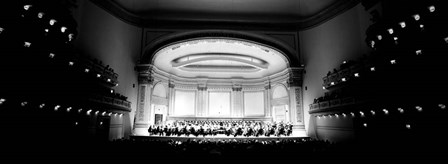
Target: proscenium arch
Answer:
[[150, 50]]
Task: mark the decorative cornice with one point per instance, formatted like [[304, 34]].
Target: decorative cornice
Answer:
[[324, 15]]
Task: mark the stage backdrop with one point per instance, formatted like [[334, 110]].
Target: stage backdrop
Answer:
[[253, 103], [219, 104], [184, 103]]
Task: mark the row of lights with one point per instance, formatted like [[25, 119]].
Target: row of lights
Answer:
[[68, 109], [52, 22], [372, 112]]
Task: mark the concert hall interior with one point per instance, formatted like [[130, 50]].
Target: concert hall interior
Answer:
[[241, 79]]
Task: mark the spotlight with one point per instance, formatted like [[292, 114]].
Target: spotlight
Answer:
[[98, 75], [104, 113], [108, 80], [318, 117], [70, 37], [353, 114], [121, 114], [63, 29], [379, 37], [330, 116], [344, 62], [441, 106], [361, 113], [372, 44], [343, 79], [46, 30], [71, 63], [111, 91], [393, 61], [391, 31], [373, 112], [432, 8], [402, 24], [27, 44], [76, 123], [343, 114], [446, 39], [88, 112], [401, 110], [356, 74], [51, 55], [408, 126], [332, 83], [116, 85], [27, 7], [115, 114], [365, 124], [323, 87], [1, 30], [80, 110], [372, 69], [69, 108], [101, 123], [109, 114], [416, 17], [395, 38], [40, 15], [337, 115], [419, 108], [86, 70], [52, 21], [422, 26], [385, 111], [418, 52], [41, 106], [23, 103], [56, 107], [2, 100], [96, 113]]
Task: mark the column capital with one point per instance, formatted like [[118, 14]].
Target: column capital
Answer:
[[295, 76], [144, 73]]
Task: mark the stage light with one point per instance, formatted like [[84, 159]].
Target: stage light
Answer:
[[343, 114], [46, 30], [41, 106], [1, 30], [27, 7], [408, 126], [63, 29], [51, 55], [40, 15], [365, 124], [418, 52], [323, 87], [86, 70], [88, 112], [69, 108], [70, 37], [401, 110], [121, 114], [441, 106], [116, 85], [337, 116], [52, 21], [330, 116], [419, 108], [379, 37], [446, 39], [318, 117], [101, 123], [373, 112], [79, 110], [356, 74], [393, 61], [96, 113], [395, 38], [432, 8], [108, 80], [109, 114], [56, 107], [2, 100], [111, 91], [391, 31], [76, 123], [71, 63], [372, 44], [402, 24], [343, 79], [422, 26], [23, 103], [361, 113], [372, 69], [104, 113], [332, 83], [98, 75], [353, 114], [385, 111], [416, 17], [27, 44], [344, 62], [115, 114]]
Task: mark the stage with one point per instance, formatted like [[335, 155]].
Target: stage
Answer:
[[219, 137]]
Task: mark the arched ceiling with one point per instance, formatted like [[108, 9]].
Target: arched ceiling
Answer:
[[302, 13], [222, 58]]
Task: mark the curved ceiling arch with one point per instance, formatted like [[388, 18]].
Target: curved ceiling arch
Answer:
[[288, 52]]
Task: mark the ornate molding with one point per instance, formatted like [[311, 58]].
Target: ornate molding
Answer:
[[295, 77]]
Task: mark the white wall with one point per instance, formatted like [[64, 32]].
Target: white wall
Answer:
[[115, 43], [326, 46]]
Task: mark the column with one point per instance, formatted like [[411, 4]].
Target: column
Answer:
[[237, 101], [170, 98], [267, 98], [143, 112], [295, 96], [202, 100]]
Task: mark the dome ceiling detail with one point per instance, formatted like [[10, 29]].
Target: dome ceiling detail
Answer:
[[219, 58]]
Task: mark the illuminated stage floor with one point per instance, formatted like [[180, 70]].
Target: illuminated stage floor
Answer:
[[219, 137]]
